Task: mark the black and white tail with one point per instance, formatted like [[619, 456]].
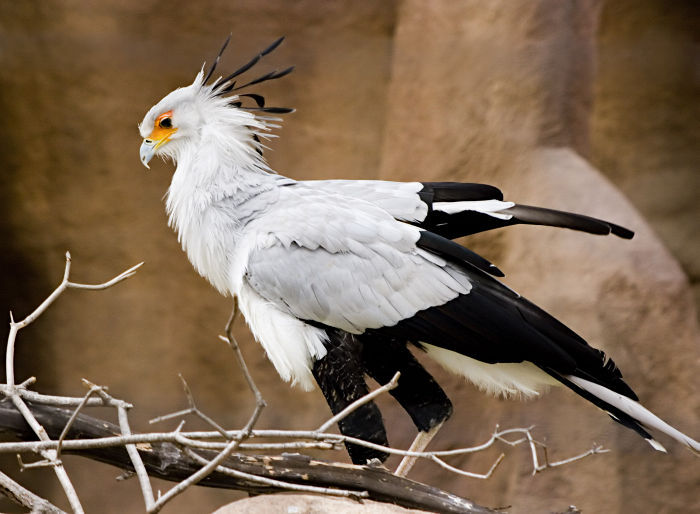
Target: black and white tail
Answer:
[[460, 209], [627, 412]]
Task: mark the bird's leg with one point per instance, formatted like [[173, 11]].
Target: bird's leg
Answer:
[[418, 392], [340, 377], [419, 444]]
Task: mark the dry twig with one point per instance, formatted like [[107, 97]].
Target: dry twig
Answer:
[[155, 453], [11, 390]]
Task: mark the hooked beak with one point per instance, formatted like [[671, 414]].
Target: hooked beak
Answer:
[[158, 137], [147, 151]]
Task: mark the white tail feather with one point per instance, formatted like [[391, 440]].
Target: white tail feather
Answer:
[[490, 207], [636, 411]]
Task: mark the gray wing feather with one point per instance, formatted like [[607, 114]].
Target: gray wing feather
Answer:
[[349, 266], [400, 199]]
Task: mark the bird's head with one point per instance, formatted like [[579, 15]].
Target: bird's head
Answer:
[[179, 120]]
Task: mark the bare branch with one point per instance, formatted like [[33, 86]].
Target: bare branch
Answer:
[[533, 451], [469, 474], [77, 410], [98, 287], [43, 463], [360, 402], [159, 437], [193, 409], [134, 456], [323, 441], [214, 463], [596, 449], [195, 477], [233, 344], [15, 392], [58, 401], [282, 485], [50, 455], [167, 461], [260, 404], [16, 326], [171, 415], [25, 497]]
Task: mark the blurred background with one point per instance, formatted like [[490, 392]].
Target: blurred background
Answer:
[[588, 106]]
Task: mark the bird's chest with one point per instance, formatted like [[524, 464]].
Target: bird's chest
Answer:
[[208, 237]]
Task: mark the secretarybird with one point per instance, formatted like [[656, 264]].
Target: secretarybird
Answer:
[[337, 278]]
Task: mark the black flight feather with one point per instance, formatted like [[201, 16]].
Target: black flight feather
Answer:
[[460, 191], [493, 324], [455, 252]]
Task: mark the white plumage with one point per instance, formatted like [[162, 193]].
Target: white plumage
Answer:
[[491, 207], [507, 379]]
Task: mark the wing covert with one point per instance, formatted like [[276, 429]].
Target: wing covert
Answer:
[[348, 268]]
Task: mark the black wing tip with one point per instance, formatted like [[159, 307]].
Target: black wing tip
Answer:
[[456, 191], [493, 270], [450, 250]]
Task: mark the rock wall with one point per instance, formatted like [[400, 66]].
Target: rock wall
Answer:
[[502, 92], [644, 134]]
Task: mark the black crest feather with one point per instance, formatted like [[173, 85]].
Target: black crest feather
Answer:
[[259, 99], [216, 61], [253, 61], [226, 85], [268, 76]]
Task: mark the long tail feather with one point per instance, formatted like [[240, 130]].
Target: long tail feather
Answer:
[[540, 216], [636, 411]]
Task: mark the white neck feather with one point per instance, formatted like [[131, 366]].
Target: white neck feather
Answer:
[[216, 175]]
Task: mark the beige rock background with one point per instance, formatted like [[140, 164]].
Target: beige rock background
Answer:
[[309, 504], [580, 105]]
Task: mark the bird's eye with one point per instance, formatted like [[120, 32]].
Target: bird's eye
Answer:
[[165, 123]]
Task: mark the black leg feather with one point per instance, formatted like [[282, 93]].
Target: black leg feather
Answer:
[[418, 392], [340, 375]]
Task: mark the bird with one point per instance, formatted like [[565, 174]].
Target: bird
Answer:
[[340, 280]]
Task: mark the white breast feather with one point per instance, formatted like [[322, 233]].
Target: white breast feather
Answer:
[[290, 344]]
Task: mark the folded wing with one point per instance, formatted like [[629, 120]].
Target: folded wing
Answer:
[[456, 209]]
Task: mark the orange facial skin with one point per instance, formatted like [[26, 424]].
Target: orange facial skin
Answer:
[[162, 129]]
